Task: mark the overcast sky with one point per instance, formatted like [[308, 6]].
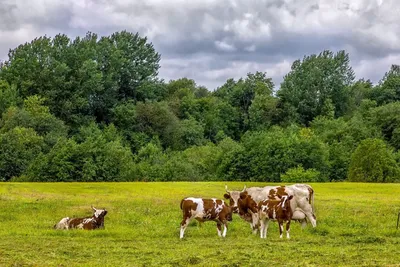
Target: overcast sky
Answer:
[[213, 40]]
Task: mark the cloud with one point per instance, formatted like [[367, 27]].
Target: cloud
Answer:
[[213, 40]]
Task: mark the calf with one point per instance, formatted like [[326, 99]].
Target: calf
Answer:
[[88, 223], [205, 210], [279, 210]]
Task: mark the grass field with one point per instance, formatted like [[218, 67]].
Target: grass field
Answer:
[[356, 226]]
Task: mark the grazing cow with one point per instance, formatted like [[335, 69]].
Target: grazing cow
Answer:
[[277, 210], [302, 202], [205, 210], [88, 223]]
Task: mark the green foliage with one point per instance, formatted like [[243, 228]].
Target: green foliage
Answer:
[[266, 155], [388, 89], [86, 77], [93, 109], [96, 155], [299, 175], [314, 81], [387, 119], [8, 96], [373, 161], [18, 148], [34, 114]]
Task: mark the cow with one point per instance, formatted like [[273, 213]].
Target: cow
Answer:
[[205, 210], [302, 201], [87, 223], [277, 210]]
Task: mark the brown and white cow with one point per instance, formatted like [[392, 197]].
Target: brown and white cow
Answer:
[[277, 210], [302, 203], [205, 210], [87, 223]]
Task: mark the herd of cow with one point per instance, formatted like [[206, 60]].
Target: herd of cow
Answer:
[[256, 205]]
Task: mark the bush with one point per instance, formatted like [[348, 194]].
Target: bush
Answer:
[[299, 175], [372, 161]]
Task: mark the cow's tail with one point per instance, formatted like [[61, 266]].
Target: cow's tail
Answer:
[[311, 198], [182, 203]]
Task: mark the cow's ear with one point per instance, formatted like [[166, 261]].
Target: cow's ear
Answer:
[[243, 195], [279, 196], [290, 197], [227, 196]]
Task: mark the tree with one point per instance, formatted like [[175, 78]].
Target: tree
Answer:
[[241, 94], [373, 161], [18, 148], [34, 114], [387, 119], [388, 89], [86, 77], [314, 81]]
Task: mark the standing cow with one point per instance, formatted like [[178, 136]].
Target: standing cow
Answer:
[[302, 203], [277, 210], [205, 210]]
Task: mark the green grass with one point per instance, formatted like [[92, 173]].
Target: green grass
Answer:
[[356, 226]]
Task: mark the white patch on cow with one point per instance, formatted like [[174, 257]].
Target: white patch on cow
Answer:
[[274, 214], [97, 212], [281, 228], [62, 224], [224, 233], [284, 199]]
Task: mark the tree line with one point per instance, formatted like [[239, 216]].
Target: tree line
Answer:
[[94, 109]]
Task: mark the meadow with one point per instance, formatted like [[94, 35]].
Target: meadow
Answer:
[[356, 226]]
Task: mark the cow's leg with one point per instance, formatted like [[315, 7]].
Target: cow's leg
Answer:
[[266, 225], [280, 223], [225, 228], [262, 227], [288, 229], [255, 222], [185, 222], [219, 228]]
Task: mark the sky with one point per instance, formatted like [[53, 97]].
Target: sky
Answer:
[[211, 41]]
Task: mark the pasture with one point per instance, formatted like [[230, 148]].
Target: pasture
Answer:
[[356, 226]]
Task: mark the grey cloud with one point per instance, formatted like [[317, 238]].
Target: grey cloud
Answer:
[[211, 41]]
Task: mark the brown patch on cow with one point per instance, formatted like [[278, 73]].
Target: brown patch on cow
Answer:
[[277, 192], [89, 223]]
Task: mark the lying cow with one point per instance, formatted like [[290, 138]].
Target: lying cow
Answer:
[[88, 223], [205, 210], [302, 203], [277, 210]]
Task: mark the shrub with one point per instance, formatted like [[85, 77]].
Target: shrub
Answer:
[[300, 175]]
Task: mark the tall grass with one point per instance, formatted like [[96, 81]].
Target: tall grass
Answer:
[[356, 226]]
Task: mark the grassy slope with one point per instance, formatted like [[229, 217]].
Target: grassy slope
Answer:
[[356, 226]]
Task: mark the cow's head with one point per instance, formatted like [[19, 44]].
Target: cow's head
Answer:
[[229, 211], [99, 213], [285, 201], [246, 203], [233, 197]]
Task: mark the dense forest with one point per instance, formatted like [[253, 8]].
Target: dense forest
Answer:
[[94, 109]]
